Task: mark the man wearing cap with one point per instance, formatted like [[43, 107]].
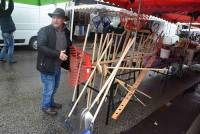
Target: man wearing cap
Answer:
[[7, 29], [53, 49]]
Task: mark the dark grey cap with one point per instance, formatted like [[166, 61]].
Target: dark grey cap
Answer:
[[60, 13]]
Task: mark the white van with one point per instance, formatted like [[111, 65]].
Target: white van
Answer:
[[28, 20]]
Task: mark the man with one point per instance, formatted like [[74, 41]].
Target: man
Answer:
[[53, 47], [7, 29]]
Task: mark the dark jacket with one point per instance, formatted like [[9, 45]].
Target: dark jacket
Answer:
[[6, 22], [47, 53]]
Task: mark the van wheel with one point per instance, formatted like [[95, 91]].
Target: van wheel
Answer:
[[33, 44]]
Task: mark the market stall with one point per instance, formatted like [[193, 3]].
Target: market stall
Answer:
[[186, 11], [118, 61], [121, 56]]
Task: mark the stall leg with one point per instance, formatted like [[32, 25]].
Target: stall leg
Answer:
[[110, 102], [77, 93]]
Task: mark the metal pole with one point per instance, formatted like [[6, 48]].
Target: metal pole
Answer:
[[72, 22], [188, 37]]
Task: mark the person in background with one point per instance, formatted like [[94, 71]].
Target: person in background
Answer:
[[7, 28], [53, 49]]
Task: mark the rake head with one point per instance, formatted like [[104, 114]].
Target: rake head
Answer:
[[76, 75], [86, 118], [70, 127]]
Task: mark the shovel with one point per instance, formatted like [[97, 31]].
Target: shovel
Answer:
[[87, 132], [87, 118]]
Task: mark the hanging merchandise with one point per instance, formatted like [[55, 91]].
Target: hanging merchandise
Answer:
[[96, 21], [79, 30], [106, 24], [81, 21], [134, 21], [115, 21], [106, 21], [100, 22], [76, 31]]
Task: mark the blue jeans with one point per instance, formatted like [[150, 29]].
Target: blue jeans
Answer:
[[8, 46], [50, 86]]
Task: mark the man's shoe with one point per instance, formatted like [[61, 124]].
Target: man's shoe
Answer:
[[50, 111], [57, 106], [12, 62]]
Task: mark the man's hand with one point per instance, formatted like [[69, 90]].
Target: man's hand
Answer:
[[63, 56]]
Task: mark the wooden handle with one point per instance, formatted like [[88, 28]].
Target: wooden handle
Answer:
[[129, 95]]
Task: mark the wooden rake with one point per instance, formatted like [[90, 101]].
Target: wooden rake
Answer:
[[132, 90]]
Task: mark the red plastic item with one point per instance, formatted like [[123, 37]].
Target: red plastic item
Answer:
[[75, 58]]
